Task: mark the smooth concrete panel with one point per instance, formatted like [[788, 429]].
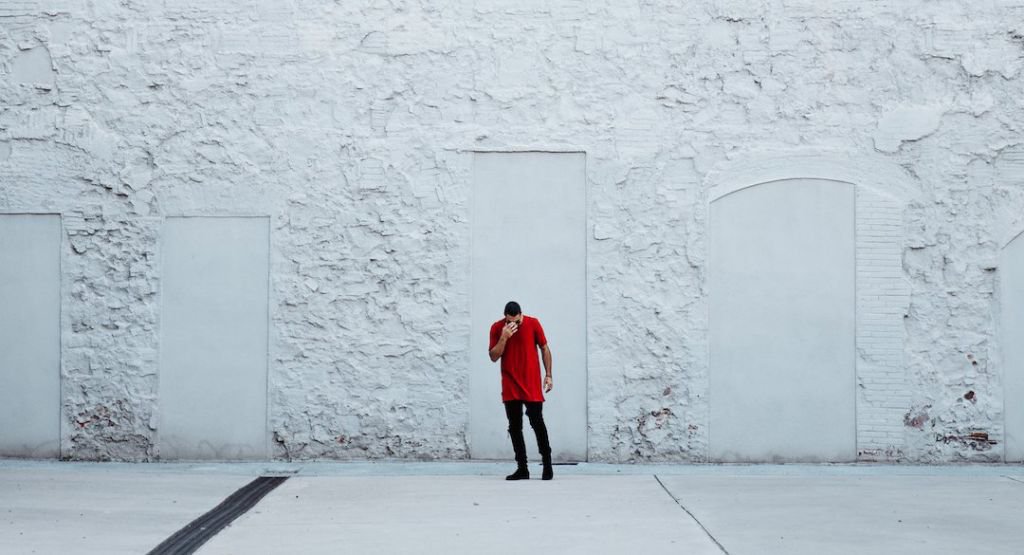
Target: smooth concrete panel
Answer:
[[817, 515], [529, 245], [213, 354], [1012, 290], [103, 509], [30, 335], [470, 515], [782, 313]]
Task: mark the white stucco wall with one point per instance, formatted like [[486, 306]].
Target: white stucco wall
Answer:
[[351, 126]]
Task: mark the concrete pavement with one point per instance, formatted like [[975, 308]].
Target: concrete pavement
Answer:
[[466, 507], [813, 515], [468, 514], [71, 508]]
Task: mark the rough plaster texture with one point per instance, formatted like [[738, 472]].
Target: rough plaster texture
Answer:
[[350, 125]]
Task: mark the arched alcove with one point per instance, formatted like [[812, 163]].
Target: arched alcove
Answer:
[[1012, 324], [851, 284], [781, 283]]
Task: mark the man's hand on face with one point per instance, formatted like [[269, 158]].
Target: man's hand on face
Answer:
[[509, 330]]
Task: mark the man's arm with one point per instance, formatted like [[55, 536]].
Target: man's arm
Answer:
[[545, 353], [499, 348]]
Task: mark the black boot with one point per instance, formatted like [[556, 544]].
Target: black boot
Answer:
[[548, 472], [521, 473], [519, 447]]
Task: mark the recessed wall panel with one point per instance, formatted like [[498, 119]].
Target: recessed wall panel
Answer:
[[213, 353], [781, 282], [30, 335], [1012, 292], [529, 245]]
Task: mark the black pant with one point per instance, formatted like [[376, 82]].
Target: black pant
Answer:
[[535, 412]]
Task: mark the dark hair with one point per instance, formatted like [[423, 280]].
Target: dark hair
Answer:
[[513, 309]]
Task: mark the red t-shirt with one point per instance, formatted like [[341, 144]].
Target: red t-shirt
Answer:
[[520, 365]]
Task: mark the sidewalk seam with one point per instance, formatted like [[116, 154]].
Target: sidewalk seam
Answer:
[[683, 507], [1014, 479]]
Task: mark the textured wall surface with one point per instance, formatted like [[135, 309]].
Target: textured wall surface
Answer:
[[352, 125]]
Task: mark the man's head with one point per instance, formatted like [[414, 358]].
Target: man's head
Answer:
[[513, 312]]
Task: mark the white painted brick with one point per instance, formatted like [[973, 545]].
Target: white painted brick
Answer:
[[361, 116]]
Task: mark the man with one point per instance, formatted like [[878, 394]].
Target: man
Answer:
[[515, 340]]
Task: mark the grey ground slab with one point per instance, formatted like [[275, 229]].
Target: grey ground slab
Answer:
[[468, 514], [88, 510], [496, 468], [856, 514]]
